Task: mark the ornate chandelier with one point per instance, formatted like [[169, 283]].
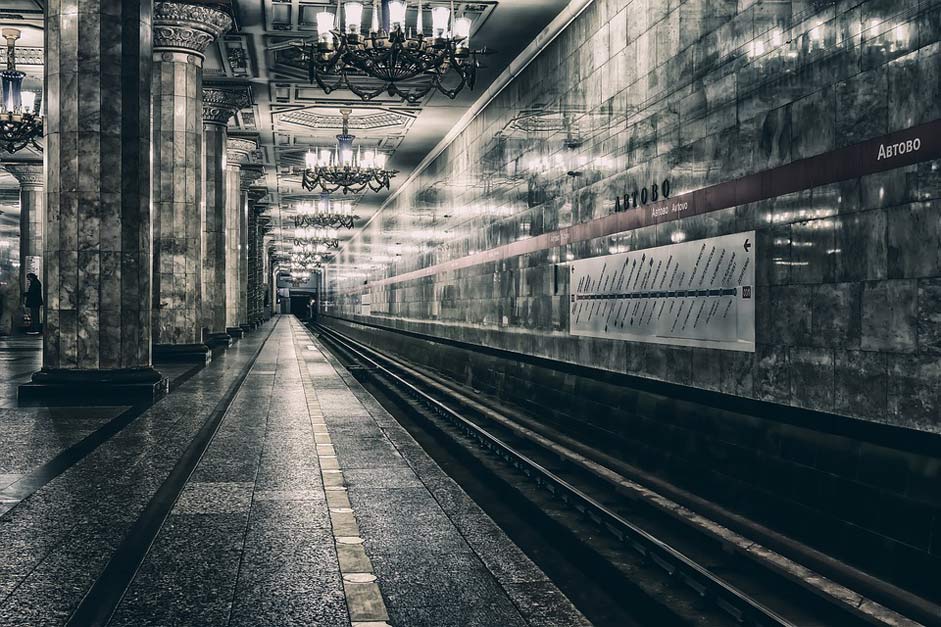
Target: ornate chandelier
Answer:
[[304, 262], [344, 169], [20, 124], [299, 277], [391, 54], [325, 213], [305, 259], [315, 240], [311, 248]]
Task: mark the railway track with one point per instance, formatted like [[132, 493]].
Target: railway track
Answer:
[[665, 571]]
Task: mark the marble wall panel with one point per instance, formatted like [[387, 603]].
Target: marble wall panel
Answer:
[[699, 92], [889, 316]]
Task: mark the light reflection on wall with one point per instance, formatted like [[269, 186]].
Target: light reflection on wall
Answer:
[[566, 136]]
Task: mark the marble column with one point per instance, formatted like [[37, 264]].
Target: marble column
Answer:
[[250, 174], [237, 151], [252, 283], [32, 217], [182, 32], [97, 246], [257, 221], [218, 106], [268, 250], [264, 227]]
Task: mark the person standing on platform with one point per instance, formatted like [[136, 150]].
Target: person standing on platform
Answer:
[[33, 302]]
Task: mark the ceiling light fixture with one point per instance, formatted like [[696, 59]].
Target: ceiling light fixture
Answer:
[[20, 123], [391, 53], [315, 240], [324, 212], [303, 262], [345, 169], [299, 278]]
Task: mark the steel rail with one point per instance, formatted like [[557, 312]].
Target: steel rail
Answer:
[[727, 597]]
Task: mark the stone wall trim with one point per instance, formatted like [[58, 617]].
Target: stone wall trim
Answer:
[[880, 434], [831, 167]]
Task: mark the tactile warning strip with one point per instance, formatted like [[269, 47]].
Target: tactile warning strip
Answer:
[[363, 597]]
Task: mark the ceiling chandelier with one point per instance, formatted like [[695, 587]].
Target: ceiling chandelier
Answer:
[[305, 262], [298, 278], [324, 212], [315, 240], [344, 169], [311, 248], [20, 124], [391, 54]]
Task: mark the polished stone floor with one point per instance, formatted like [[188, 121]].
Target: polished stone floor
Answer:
[[310, 505], [20, 357]]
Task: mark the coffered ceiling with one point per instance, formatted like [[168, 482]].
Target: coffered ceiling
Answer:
[[289, 115]]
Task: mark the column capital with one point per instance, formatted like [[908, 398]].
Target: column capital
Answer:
[[29, 175], [221, 103], [256, 193], [251, 172], [189, 28], [237, 149]]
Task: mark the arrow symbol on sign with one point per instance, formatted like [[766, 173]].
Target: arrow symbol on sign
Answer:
[[747, 245]]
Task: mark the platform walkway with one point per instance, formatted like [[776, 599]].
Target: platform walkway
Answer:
[[306, 505]]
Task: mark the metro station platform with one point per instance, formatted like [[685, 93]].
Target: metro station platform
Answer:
[[268, 488]]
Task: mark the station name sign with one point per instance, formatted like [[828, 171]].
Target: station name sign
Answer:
[[639, 198], [901, 148]]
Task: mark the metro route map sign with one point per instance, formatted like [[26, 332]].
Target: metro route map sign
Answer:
[[697, 293]]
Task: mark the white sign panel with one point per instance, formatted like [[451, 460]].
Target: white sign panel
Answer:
[[698, 293]]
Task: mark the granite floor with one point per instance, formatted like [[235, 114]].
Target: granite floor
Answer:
[[309, 505], [36, 443], [20, 357]]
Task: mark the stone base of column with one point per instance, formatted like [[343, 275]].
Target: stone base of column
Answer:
[[195, 353], [235, 332], [123, 386], [218, 340]]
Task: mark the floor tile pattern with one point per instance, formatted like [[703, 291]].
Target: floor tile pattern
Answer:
[[54, 544], [439, 559], [311, 506]]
